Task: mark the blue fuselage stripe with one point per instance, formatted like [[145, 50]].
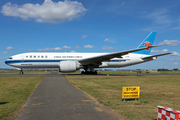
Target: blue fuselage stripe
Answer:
[[31, 61], [53, 61]]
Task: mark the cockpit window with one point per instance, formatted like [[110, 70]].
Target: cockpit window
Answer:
[[10, 58]]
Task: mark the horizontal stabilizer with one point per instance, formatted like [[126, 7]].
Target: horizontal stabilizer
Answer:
[[155, 56]]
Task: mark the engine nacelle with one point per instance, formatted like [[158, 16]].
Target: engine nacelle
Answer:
[[68, 66]]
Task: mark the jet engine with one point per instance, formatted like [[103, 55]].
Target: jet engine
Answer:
[[68, 66]]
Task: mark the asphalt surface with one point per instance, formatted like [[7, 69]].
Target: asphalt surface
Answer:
[[56, 99]]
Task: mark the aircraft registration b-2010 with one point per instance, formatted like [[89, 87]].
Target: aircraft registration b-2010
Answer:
[[70, 62]]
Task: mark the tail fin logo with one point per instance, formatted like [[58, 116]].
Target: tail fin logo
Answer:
[[147, 44]]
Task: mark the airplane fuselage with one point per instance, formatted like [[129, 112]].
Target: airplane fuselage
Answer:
[[52, 60], [70, 62]]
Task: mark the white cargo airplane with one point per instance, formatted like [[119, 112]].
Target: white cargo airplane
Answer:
[[70, 62]]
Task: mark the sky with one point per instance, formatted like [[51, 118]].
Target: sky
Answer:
[[90, 26]]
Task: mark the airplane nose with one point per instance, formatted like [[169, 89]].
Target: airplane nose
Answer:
[[6, 62]]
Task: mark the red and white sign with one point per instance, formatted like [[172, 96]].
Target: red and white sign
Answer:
[[165, 113]]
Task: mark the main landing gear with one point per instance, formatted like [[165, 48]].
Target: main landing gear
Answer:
[[89, 72]]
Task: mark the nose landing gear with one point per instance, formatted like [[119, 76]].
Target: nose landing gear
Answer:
[[21, 72]]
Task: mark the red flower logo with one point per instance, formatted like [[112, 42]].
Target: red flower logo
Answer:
[[146, 44]]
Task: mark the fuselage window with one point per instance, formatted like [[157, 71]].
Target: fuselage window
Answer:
[[38, 56], [30, 56], [45, 56], [34, 56], [26, 56], [42, 56]]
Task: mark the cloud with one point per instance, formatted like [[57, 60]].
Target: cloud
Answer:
[[9, 48], [109, 41], [66, 47], [84, 36], [73, 51], [45, 49], [78, 47], [159, 16], [49, 49], [57, 48], [170, 42], [23, 49], [161, 19], [5, 52], [176, 54], [171, 59], [109, 48], [160, 51], [175, 63], [88, 46], [53, 49], [49, 11], [176, 28]]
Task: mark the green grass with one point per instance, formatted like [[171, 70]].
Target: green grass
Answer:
[[14, 91], [126, 72], [154, 91], [116, 72], [133, 72]]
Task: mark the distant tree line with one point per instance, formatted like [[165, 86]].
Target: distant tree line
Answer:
[[163, 69]]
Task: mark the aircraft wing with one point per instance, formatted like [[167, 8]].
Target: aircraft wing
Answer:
[[98, 59]]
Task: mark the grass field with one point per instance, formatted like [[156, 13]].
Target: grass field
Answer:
[[127, 72], [133, 72], [14, 91], [154, 91]]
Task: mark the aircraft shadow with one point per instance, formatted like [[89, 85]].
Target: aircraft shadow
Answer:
[[2, 103]]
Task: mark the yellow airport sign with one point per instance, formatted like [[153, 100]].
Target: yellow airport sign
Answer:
[[130, 92]]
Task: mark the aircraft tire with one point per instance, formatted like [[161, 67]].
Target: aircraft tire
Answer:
[[89, 73], [82, 72]]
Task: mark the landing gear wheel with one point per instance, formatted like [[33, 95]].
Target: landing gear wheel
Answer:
[[89, 72], [82, 72], [21, 72]]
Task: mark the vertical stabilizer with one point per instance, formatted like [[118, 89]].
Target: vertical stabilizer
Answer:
[[147, 42]]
